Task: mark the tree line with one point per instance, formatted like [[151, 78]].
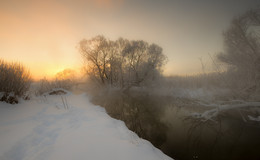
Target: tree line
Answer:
[[122, 63]]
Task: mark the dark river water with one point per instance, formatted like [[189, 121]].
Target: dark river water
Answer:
[[227, 138], [166, 123]]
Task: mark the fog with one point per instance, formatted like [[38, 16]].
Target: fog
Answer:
[[183, 75], [44, 35]]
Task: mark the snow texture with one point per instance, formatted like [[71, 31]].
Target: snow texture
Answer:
[[254, 118], [68, 127], [219, 108]]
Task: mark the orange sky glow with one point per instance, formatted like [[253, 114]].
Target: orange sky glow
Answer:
[[44, 34]]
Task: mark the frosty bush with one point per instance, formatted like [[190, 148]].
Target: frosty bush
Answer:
[[65, 79], [15, 80], [45, 85]]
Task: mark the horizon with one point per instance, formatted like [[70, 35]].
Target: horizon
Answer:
[[44, 35]]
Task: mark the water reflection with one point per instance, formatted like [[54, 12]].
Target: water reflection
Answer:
[[165, 122]]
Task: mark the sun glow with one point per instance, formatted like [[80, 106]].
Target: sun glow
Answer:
[[48, 72], [53, 71], [43, 35]]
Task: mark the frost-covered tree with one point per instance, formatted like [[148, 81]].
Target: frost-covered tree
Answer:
[[99, 55], [143, 61], [242, 48], [121, 63]]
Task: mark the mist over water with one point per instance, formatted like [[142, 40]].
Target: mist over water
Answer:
[[166, 122], [124, 55]]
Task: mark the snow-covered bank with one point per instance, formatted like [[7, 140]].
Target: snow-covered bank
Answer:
[[44, 128]]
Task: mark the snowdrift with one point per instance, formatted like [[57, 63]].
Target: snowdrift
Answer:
[[68, 127]]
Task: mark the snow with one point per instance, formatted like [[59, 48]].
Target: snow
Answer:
[[254, 118], [44, 128], [220, 108]]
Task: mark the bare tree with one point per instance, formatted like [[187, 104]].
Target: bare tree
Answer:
[[242, 48], [121, 63], [95, 52], [143, 62], [135, 54]]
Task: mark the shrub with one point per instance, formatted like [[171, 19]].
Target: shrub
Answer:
[[15, 81], [45, 85]]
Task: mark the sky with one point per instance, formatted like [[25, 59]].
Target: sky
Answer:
[[44, 34]]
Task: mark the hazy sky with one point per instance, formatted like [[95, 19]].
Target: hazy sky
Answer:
[[44, 34]]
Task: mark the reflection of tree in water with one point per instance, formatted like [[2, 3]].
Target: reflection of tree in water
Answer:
[[221, 131], [226, 134]]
